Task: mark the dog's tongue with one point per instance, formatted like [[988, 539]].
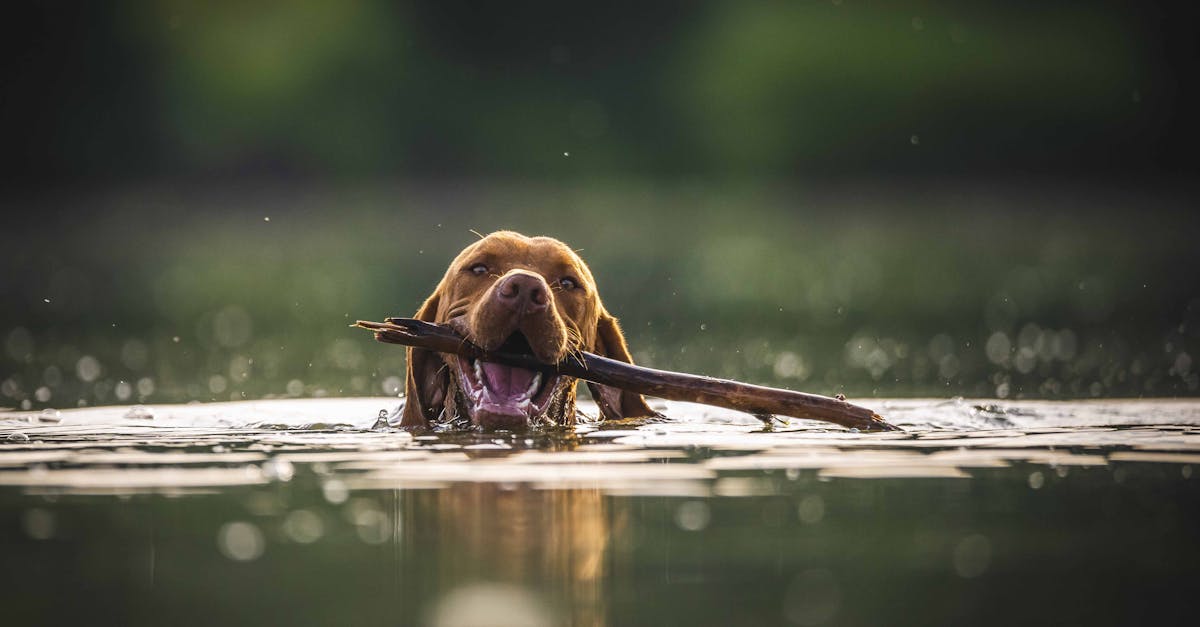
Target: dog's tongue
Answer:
[[507, 383]]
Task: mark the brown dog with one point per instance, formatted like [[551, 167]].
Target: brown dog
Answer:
[[521, 294]]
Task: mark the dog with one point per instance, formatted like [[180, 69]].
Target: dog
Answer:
[[512, 293]]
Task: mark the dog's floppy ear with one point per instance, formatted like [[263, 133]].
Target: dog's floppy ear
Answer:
[[614, 402], [426, 381]]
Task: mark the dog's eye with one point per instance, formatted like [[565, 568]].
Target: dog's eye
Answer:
[[567, 283], [479, 269]]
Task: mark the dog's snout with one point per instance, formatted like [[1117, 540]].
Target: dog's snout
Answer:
[[523, 293]]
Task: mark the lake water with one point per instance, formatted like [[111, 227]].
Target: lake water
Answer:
[[297, 512]]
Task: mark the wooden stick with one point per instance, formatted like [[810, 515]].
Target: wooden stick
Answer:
[[754, 399]]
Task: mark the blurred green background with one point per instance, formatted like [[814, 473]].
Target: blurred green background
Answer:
[[877, 198]]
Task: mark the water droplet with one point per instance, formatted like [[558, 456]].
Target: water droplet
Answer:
[[50, 415], [139, 412], [335, 491], [811, 509], [17, 436], [381, 421], [135, 354], [145, 386], [1036, 480], [998, 348], [295, 387], [123, 390], [277, 469], [240, 541], [217, 384], [392, 385], [371, 525], [692, 515], [52, 376], [88, 368], [303, 526]]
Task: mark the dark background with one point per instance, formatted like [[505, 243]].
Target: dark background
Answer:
[[119, 91], [987, 198]]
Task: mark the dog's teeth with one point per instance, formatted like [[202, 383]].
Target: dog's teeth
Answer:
[[533, 386], [478, 372]]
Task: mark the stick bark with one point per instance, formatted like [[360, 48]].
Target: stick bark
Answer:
[[754, 399]]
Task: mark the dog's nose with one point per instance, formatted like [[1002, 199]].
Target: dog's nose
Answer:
[[523, 293]]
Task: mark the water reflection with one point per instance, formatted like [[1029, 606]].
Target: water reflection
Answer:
[[478, 553], [556, 541]]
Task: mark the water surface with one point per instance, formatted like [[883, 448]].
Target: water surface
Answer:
[[298, 512]]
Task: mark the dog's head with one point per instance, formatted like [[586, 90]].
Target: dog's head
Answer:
[[517, 294]]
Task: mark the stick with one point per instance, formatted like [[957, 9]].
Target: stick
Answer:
[[754, 399]]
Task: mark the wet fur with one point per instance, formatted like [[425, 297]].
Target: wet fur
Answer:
[[575, 320]]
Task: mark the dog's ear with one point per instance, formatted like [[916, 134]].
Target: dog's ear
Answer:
[[426, 381], [614, 402]]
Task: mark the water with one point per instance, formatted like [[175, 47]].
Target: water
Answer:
[[299, 512]]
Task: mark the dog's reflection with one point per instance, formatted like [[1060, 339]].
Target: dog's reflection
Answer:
[[556, 543]]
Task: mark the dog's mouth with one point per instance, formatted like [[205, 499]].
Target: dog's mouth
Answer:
[[500, 396]]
